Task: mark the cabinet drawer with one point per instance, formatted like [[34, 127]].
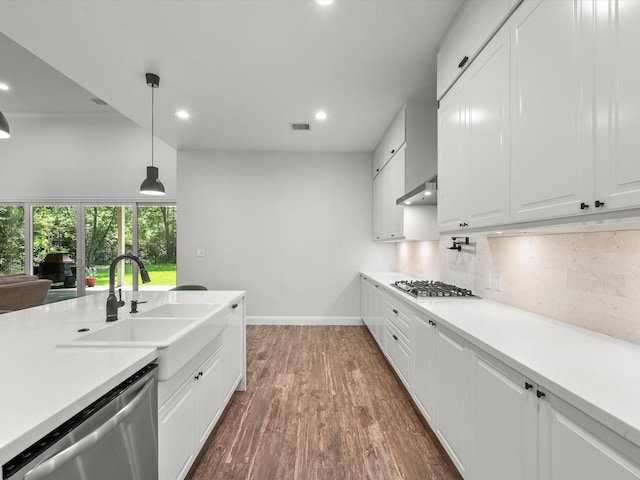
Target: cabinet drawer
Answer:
[[398, 354], [400, 320]]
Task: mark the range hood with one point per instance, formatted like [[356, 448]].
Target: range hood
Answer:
[[424, 194]]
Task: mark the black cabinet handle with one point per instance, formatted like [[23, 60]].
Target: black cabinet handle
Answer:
[[540, 394], [584, 206], [377, 169], [376, 286], [527, 386], [234, 306], [463, 62], [431, 322], [464, 225], [395, 311], [394, 337], [393, 150], [599, 204]]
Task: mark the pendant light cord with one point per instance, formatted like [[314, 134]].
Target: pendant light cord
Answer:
[[152, 103]]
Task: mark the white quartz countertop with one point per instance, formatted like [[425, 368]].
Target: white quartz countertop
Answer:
[[41, 385], [598, 374]]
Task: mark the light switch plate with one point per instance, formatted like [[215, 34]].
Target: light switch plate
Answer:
[[497, 282], [200, 252]]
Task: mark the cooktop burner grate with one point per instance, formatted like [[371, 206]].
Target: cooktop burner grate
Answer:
[[431, 288]]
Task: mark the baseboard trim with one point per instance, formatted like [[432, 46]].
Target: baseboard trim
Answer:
[[304, 320]]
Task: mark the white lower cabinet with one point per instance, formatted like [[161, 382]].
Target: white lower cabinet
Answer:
[[233, 355], [188, 416], [452, 396], [175, 421], [518, 430], [424, 367], [503, 424], [573, 445], [372, 310], [209, 382]]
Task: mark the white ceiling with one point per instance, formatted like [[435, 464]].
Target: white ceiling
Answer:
[[244, 69]]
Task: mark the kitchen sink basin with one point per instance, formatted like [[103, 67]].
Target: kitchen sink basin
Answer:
[[178, 310], [158, 331], [177, 331]]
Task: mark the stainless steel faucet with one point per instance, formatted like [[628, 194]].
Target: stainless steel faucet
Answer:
[[112, 302]]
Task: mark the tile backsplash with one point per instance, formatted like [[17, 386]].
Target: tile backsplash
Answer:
[[587, 279]]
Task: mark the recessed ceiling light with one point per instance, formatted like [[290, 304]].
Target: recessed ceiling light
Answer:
[[4, 86], [321, 115], [182, 114], [428, 192], [325, 2], [407, 202]]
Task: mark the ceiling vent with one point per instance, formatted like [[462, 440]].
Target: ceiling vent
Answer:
[[98, 101], [300, 126]]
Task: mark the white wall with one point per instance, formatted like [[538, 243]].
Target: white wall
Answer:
[[292, 229], [73, 158]]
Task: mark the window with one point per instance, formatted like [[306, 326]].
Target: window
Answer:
[[12, 247]]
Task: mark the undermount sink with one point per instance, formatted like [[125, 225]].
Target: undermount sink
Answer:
[[177, 331]]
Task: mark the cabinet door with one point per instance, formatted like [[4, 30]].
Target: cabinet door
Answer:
[[364, 300], [378, 202], [452, 175], [471, 28], [424, 356], [504, 422], [574, 446], [452, 396], [209, 385], [617, 79], [487, 84], [233, 349], [176, 432], [394, 217], [552, 107]]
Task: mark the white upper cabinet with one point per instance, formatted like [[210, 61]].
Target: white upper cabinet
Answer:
[[390, 143], [618, 109], [473, 160], [452, 123], [471, 29], [552, 92], [405, 158]]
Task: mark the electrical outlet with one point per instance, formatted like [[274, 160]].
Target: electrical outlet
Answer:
[[200, 252]]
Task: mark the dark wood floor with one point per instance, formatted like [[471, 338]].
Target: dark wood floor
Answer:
[[321, 403]]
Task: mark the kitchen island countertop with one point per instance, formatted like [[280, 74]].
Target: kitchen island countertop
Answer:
[[41, 385]]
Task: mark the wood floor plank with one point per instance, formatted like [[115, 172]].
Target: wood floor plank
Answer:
[[321, 403]]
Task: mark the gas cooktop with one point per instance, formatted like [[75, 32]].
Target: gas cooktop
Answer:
[[431, 288]]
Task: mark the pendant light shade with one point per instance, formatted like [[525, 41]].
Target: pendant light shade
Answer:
[[152, 185], [4, 127]]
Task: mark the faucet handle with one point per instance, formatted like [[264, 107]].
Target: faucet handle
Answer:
[[120, 301]]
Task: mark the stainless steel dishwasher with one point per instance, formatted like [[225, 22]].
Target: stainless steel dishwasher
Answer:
[[114, 438]]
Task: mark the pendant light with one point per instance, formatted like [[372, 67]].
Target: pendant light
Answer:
[[152, 185], [4, 127]]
